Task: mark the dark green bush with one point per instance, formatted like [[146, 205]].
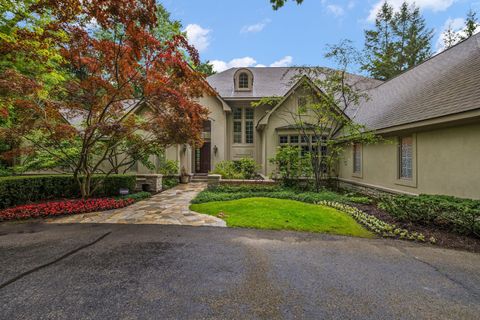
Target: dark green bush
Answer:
[[245, 168], [18, 190], [461, 215], [137, 196], [226, 193], [169, 182]]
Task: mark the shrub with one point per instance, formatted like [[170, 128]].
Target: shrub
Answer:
[[291, 165], [168, 167], [137, 196], [226, 193], [461, 215], [245, 168], [169, 182], [18, 190], [56, 208]]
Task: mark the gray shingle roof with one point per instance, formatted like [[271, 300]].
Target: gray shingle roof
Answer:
[[267, 81], [446, 84]]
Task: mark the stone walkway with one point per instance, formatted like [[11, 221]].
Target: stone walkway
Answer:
[[168, 207]]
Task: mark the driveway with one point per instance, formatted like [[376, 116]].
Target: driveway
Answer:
[[102, 271], [168, 207]]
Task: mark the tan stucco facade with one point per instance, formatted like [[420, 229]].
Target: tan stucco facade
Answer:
[[446, 161], [446, 156]]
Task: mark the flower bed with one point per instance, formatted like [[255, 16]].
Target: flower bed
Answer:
[[57, 208], [376, 225]]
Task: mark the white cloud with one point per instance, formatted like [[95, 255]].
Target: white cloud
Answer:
[[255, 27], [284, 62], [336, 10], [434, 5], [458, 27], [220, 65], [198, 36], [351, 5]]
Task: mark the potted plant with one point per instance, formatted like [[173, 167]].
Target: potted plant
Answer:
[[184, 176]]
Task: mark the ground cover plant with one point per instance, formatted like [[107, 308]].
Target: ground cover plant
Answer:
[[225, 193], [455, 214], [281, 214]]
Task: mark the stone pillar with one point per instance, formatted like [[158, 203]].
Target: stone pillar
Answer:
[[214, 179], [149, 182]]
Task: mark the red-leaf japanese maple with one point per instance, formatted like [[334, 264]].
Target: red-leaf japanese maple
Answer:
[[117, 69]]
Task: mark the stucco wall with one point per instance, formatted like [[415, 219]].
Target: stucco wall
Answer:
[[447, 162]]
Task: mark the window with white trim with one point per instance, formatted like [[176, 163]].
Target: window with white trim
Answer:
[[243, 126], [405, 158]]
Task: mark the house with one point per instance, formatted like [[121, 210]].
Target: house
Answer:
[[429, 117]]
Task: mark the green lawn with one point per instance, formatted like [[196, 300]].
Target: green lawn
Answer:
[[279, 214]]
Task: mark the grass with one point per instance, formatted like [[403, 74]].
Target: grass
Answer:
[[280, 214]]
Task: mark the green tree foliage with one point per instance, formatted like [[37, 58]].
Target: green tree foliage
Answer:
[[206, 68], [471, 25], [277, 4], [399, 41], [450, 37]]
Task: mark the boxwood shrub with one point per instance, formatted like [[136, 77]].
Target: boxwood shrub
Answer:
[[461, 215], [19, 190]]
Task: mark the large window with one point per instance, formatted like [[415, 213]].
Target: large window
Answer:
[[406, 158], [357, 158], [237, 125], [306, 143], [243, 123]]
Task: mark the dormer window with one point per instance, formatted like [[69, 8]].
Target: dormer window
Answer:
[[243, 80]]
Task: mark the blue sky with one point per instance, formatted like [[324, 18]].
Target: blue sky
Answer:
[[249, 33]]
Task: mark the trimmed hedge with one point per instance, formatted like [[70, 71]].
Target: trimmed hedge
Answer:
[[226, 193], [19, 190], [461, 215], [169, 182]]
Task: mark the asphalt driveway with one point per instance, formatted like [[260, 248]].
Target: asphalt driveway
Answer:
[[107, 271]]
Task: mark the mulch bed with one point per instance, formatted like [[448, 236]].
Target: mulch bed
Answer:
[[444, 238]]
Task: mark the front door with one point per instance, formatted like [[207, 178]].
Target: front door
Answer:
[[202, 158]]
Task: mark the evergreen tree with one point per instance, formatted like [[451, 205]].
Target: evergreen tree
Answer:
[[471, 25], [400, 40], [379, 47], [206, 68]]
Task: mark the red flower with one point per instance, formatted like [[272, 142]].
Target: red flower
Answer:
[[56, 208]]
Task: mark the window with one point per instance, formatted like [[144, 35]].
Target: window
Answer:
[[406, 158], [243, 120], [283, 139], [237, 125], [243, 81], [357, 158], [303, 142]]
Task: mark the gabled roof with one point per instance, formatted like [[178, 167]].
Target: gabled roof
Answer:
[[445, 84], [269, 81]]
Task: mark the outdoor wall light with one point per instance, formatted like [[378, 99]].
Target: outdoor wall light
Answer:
[[184, 149], [215, 149]]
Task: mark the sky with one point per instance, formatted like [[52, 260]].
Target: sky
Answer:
[[247, 33]]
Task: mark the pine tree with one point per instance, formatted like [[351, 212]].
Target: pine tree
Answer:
[[471, 25], [379, 46], [400, 40], [418, 47]]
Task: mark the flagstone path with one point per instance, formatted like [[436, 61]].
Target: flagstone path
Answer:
[[168, 207]]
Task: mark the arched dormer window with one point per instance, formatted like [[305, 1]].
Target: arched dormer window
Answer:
[[243, 80]]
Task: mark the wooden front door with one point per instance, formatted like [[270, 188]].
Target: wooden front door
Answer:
[[202, 158]]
